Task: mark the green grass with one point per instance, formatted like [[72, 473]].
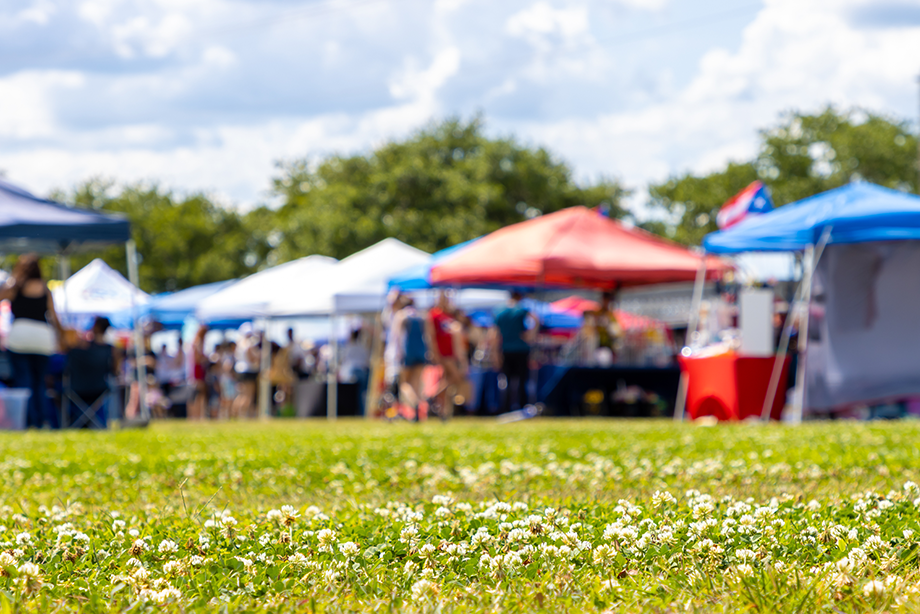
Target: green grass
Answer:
[[555, 516]]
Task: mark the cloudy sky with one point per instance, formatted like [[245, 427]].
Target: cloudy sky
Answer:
[[208, 94]]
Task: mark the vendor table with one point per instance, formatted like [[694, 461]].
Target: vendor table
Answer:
[[732, 387], [627, 391]]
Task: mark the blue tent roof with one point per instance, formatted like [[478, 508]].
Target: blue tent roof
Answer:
[[29, 223], [419, 276], [171, 309], [856, 213]]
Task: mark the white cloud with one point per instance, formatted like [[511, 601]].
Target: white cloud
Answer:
[[540, 20], [207, 94], [422, 84]]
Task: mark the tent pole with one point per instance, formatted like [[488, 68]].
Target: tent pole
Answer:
[[265, 363], [681, 401], [798, 400], [143, 412], [787, 330], [332, 383]]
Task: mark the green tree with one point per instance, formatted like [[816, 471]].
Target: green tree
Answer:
[[182, 241], [446, 184], [802, 156]]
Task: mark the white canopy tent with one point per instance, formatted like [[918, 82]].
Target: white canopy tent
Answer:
[[97, 290], [357, 284], [250, 297]]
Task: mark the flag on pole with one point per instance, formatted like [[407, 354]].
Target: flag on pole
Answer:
[[751, 200]]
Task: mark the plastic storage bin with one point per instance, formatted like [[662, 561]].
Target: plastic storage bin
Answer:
[[13, 406]]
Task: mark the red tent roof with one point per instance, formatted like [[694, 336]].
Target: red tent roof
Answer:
[[575, 247], [577, 305]]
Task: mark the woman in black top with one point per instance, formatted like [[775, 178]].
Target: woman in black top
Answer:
[[34, 334]]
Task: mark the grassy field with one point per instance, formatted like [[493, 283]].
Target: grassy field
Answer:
[[555, 516]]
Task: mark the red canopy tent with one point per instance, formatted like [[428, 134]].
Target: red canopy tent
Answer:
[[577, 305], [575, 247]]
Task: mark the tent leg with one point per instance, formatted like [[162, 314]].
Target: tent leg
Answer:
[[798, 402], [332, 379], [698, 285], [143, 410], [265, 362]]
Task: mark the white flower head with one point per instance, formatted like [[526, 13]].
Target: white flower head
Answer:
[[167, 546]]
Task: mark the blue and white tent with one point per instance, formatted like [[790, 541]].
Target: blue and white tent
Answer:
[[856, 213], [861, 332]]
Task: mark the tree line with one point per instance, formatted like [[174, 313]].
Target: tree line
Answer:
[[449, 182]]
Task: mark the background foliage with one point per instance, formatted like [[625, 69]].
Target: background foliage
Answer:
[[449, 182]]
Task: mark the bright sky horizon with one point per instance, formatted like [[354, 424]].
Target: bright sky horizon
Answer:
[[206, 95]]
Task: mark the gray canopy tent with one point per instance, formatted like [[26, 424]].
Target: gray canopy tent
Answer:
[[32, 224]]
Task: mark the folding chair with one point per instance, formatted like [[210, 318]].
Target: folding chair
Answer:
[[86, 383]]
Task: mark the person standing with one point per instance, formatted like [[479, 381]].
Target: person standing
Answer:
[[449, 353], [200, 363], [414, 355], [512, 327], [34, 334]]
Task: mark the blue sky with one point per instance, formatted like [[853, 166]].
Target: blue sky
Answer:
[[208, 94]]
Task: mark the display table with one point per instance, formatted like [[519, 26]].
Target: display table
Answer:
[[567, 391], [732, 387]]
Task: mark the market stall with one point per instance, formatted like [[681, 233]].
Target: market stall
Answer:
[[578, 248], [32, 224], [858, 336]]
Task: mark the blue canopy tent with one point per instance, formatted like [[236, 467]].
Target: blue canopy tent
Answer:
[[855, 213], [860, 289], [173, 308], [32, 224]]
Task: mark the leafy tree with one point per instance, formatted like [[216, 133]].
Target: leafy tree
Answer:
[[802, 156], [445, 184], [182, 241]]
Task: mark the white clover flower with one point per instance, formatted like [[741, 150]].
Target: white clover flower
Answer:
[[874, 542], [422, 590], [7, 559], [442, 500], [852, 534], [441, 512], [134, 533], [167, 546], [133, 562], [745, 570], [274, 515], [330, 576], [102, 554], [427, 550], [908, 533], [326, 537], [139, 545], [844, 565], [349, 549], [247, 563], [23, 539], [661, 497], [290, 514], [910, 487], [140, 574], [171, 567], [29, 570], [196, 561], [874, 588]]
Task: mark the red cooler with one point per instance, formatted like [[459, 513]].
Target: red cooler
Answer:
[[732, 387]]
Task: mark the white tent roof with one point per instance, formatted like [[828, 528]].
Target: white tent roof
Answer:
[[251, 296], [358, 284], [97, 289]]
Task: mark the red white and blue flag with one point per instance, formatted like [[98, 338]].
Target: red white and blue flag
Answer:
[[751, 200]]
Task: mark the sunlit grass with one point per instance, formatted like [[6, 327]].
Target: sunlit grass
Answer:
[[544, 515]]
